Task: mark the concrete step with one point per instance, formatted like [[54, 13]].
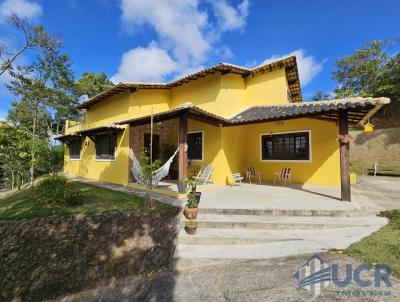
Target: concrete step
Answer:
[[289, 212], [330, 238], [246, 251], [277, 222]]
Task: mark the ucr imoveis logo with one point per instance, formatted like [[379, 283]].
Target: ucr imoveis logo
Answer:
[[316, 275]]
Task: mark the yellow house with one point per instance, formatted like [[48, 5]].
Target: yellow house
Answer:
[[228, 116]]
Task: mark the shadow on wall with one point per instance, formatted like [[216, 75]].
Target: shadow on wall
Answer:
[[45, 258]]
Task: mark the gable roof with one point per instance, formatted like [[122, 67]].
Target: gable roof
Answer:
[[288, 63]]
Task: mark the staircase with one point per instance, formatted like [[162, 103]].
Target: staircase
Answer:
[[224, 235]]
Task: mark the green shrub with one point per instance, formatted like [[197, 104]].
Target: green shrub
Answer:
[[51, 189], [56, 190], [392, 215], [73, 198]]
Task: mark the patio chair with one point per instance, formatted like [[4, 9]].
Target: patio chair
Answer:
[[284, 175], [237, 178], [251, 172], [204, 175]]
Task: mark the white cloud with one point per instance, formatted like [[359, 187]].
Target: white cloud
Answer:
[[186, 31], [179, 24], [145, 64], [230, 18], [22, 8], [307, 65]]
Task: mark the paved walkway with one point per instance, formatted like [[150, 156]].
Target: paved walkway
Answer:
[[247, 281], [377, 193], [159, 197]]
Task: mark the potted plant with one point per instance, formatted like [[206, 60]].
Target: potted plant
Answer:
[[193, 199], [191, 226]]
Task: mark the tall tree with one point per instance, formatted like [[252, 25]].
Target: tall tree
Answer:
[[34, 38], [373, 71], [45, 89], [319, 95], [91, 84], [14, 154]]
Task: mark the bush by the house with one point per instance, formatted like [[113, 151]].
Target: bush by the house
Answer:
[[56, 190], [73, 197]]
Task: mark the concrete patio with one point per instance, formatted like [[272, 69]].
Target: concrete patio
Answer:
[[269, 196]]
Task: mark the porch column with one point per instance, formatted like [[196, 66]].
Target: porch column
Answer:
[[182, 152], [344, 157]]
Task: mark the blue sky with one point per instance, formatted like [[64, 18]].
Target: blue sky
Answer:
[[144, 40]]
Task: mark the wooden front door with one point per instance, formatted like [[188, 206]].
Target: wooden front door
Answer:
[[156, 145]]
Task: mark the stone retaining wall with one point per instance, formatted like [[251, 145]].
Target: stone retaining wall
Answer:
[[45, 258]]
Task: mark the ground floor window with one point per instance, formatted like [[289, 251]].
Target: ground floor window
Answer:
[[286, 146], [195, 145], [75, 149], [105, 146]]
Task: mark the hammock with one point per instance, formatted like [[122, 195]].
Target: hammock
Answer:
[[159, 174]]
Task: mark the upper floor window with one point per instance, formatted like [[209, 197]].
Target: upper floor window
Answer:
[[195, 145], [286, 146], [75, 149], [105, 146]]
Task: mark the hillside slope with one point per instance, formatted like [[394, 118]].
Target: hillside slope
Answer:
[[381, 146]]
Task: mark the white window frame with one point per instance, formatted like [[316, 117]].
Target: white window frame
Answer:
[[202, 145], [288, 160]]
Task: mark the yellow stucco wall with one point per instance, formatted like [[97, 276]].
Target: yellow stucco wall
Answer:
[[267, 88], [230, 149], [221, 150], [114, 171], [322, 169]]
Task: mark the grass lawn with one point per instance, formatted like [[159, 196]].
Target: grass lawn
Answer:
[[382, 246], [22, 205]]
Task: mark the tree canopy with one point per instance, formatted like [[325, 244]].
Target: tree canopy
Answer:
[[92, 83], [373, 71], [45, 97], [34, 38]]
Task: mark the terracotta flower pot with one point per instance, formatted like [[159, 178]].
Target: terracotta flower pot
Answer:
[[191, 227], [190, 213]]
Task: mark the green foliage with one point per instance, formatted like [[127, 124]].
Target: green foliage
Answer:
[[34, 38], [56, 190], [14, 154], [23, 205], [191, 185], [373, 71], [382, 246], [394, 216], [91, 84], [191, 201], [51, 189], [73, 197], [148, 168], [320, 96], [45, 91]]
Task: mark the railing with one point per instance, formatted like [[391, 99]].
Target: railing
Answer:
[[76, 120]]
